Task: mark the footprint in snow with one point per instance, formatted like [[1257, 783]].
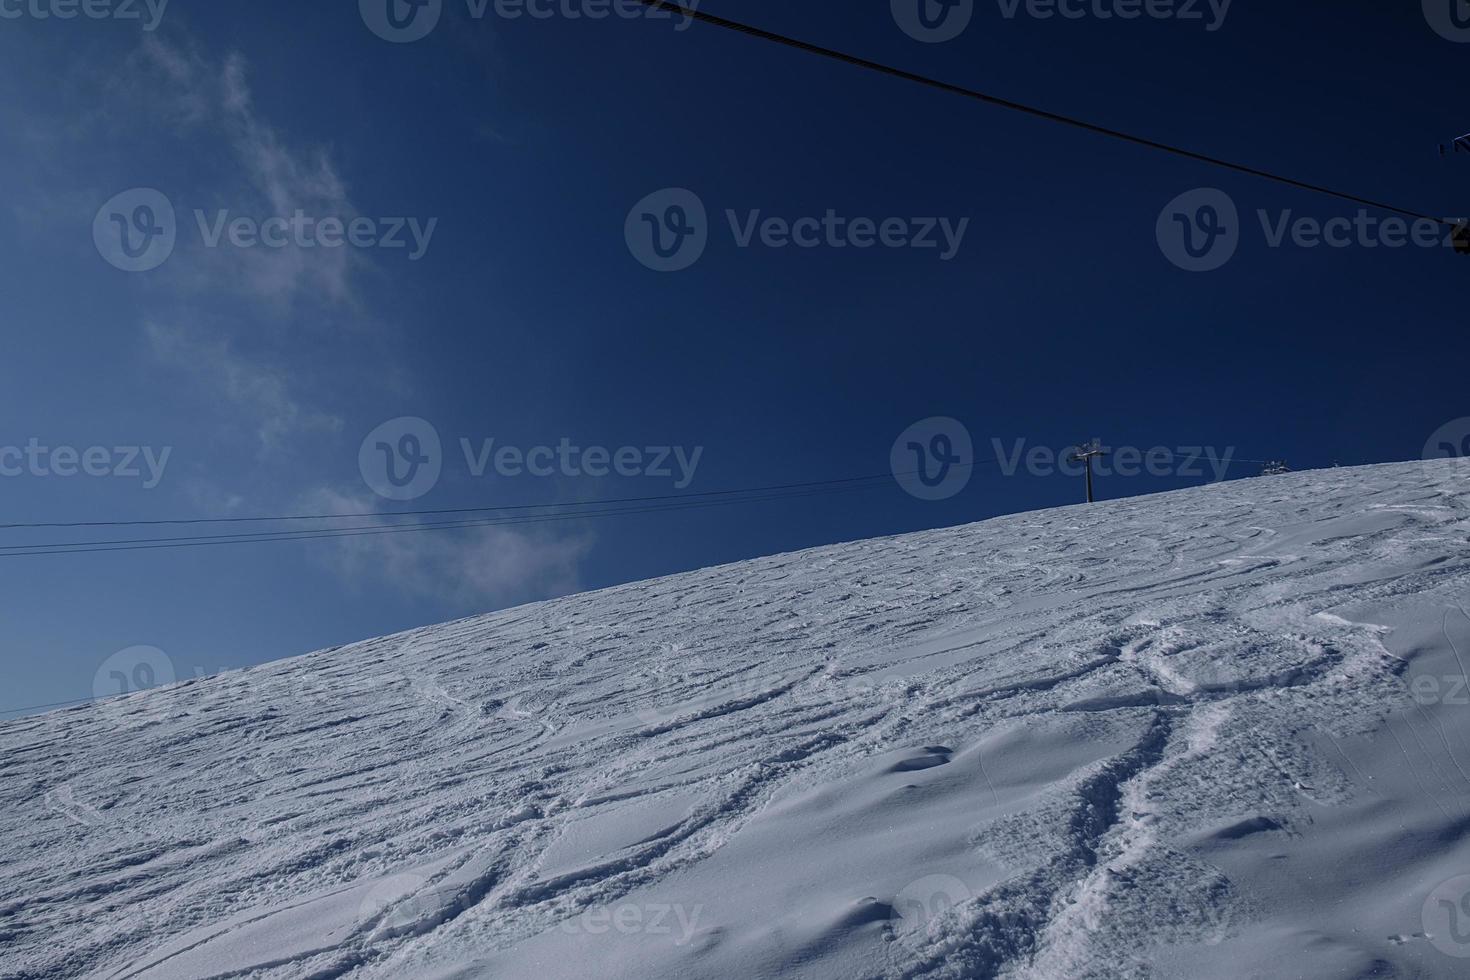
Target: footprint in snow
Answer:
[[925, 758]]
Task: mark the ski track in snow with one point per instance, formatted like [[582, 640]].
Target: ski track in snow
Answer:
[[1164, 736]]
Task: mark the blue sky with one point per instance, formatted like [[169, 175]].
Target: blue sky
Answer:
[[519, 148]]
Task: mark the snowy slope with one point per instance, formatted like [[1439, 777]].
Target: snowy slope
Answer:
[[1215, 733]]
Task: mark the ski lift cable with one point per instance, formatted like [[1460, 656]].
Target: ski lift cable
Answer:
[[312, 534], [1030, 110], [467, 510], [557, 511]]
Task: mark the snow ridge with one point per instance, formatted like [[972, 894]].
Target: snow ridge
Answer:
[[1199, 734]]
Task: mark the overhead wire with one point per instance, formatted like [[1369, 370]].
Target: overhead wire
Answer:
[[1009, 104]]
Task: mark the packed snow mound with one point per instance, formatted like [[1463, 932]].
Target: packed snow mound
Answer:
[[1217, 733]]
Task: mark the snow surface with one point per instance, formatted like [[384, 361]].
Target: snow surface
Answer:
[[1216, 733]]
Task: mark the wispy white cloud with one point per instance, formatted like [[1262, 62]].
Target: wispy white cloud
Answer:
[[273, 177], [209, 497], [237, 360], [478, 566], [263, 394]]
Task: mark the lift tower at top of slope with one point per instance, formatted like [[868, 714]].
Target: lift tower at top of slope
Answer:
[[1084, 455]]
